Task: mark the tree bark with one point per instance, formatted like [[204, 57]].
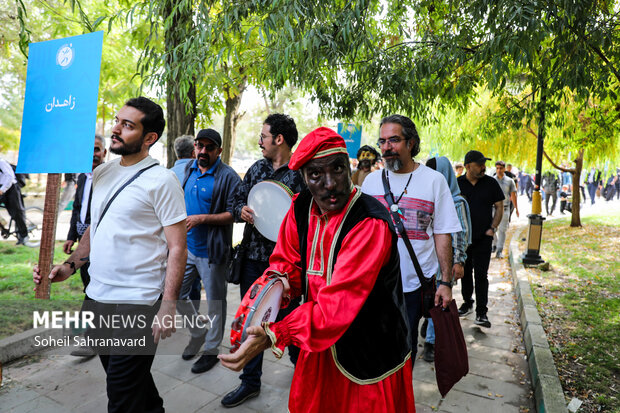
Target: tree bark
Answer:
[[180, 117], [179, 121], [575, 220], [231, 119]]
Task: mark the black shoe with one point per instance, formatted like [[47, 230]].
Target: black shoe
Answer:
[[482, 321], [239, 395], [192, 348], [204, 363], [423, 328], [493, 248], [429, 352], [465, 309]]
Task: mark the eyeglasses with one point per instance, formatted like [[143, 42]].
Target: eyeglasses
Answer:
[[210, 147], [393, 141], [262, 137]]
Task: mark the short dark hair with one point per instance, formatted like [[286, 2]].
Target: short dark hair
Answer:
[[409, 130], [281, 124], [153, 120], [501, 163], [183, 146]]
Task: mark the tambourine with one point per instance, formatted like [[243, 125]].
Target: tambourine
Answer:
[[270, 201], [260, 303]]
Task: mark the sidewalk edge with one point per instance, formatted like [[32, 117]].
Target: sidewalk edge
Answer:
[[548, 393], [23, 344]]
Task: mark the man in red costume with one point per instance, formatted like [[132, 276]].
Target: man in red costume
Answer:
[[337, 249]]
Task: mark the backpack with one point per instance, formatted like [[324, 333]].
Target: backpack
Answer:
[[21, 178]]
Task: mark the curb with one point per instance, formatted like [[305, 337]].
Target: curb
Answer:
[[23, 344], [548, 393]]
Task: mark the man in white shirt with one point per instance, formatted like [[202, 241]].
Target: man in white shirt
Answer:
[[11, 196], [137, 257], [425, 204], [510, 195]]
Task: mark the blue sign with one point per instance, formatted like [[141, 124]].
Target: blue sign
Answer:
[[60, 107], [352, 135]]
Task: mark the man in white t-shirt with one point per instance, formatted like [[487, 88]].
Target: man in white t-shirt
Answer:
[[510, 195], [427, 210], [137, 257]]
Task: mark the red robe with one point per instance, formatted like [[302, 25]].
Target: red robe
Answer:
[[318, 384]]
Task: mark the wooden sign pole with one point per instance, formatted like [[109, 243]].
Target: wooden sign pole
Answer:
[[48, 235]]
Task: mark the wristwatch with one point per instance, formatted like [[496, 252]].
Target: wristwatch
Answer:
[[446, 283]]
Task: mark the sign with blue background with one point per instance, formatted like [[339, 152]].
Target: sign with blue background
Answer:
[[352, 135], [60, 107]]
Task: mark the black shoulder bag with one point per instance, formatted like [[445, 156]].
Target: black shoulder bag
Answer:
[[233, 275], [428, 286]]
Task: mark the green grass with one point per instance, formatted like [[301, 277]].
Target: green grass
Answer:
[[579, 301], [16, 288]]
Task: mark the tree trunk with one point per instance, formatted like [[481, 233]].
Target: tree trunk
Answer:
[[180, 116], [231, 119], [575, 220], [179, 121]]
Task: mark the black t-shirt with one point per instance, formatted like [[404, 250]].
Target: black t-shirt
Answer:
[[480, 198]]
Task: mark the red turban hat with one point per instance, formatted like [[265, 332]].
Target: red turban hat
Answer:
[[319, 143]]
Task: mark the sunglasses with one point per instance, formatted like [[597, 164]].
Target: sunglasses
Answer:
[[210, 147]]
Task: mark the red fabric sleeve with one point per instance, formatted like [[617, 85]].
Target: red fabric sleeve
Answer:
[[318, 324]]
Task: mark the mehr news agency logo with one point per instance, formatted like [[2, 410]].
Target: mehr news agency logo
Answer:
[[80, 320]]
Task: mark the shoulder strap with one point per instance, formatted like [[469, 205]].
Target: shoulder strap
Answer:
[[186, 173], [389, 198], [133, 178]]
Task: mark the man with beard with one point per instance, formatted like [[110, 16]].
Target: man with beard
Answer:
[[422, 197], [137, 250], [277, 138], [80, 220], [209, 186], [482, 193], [352, 327], [367, 158]]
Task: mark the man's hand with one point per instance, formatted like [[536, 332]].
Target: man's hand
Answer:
[[58, 273], [163, 324], [490, 232], [193, 221], [68, 247], [517, 211], [1, 193], [458, 271], [247, 214], [256, 343], [443, 296]]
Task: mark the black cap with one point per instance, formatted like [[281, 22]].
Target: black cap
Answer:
[[210, 134], [475, 156]]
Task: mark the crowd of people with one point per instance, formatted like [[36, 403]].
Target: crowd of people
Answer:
[[153, 238]]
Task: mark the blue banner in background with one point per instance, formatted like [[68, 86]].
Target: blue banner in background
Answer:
[[352, 135], [60, 107]]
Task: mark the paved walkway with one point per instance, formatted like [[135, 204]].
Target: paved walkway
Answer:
[[497, 382]]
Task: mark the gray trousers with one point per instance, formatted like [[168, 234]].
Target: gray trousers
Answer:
[[500, 235], [214, 281]]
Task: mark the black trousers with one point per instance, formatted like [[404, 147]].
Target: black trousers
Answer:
[[476, 269], [551, 195], [15, 206], [129, 383], [413, 302]]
